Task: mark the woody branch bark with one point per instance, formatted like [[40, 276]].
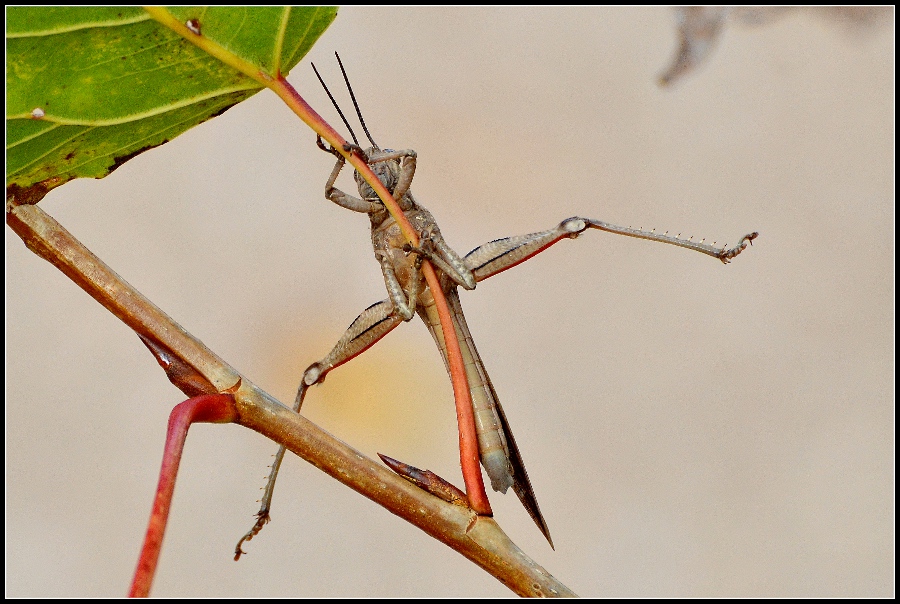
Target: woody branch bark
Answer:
[[195, 369]]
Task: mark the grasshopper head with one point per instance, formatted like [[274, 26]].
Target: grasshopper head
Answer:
[[388, 172]]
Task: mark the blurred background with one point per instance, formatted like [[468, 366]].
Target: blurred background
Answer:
[[691, 429]]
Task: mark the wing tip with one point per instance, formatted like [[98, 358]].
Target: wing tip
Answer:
[[529, 501]]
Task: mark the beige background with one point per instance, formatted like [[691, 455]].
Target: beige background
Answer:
[[691, 429]]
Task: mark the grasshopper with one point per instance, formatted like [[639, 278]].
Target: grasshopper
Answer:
[[409, 294]]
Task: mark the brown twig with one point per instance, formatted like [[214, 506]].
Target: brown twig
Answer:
[[196, 368]]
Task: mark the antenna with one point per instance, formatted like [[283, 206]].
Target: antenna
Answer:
[[336, 106], [353, 97]]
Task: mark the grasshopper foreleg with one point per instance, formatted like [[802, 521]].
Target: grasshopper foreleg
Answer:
[[403, 299], [337, 196], [348, 147]]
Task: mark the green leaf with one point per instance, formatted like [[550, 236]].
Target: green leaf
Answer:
[[89, 88]]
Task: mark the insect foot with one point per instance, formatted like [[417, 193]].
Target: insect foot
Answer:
[[351, 148], [425, 249], [326, 148], [727, 255], [262, 518]]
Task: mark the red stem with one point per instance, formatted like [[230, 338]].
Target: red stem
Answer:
[[465, 414], [215, 408]]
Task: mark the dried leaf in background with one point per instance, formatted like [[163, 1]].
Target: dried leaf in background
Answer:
[[699, 28]]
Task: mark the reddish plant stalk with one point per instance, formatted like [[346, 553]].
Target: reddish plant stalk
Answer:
[[214, 408], [465, 414]]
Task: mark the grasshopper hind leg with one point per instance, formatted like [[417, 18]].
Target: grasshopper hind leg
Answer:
[[262, 516], [370, 326]]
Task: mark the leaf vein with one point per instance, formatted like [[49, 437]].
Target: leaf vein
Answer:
[[35, 135], [64, 30], [279, 41], [137, 116]]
